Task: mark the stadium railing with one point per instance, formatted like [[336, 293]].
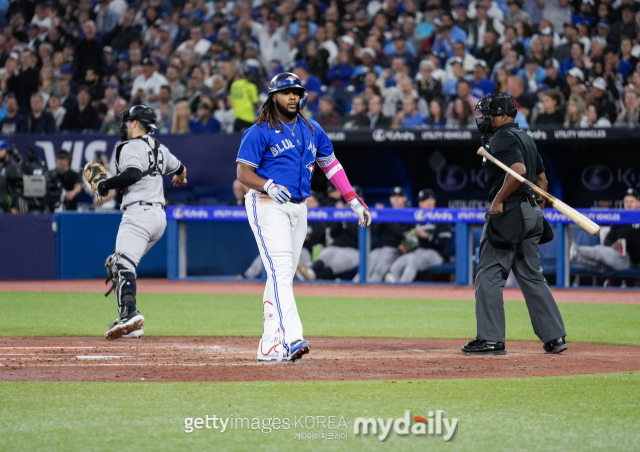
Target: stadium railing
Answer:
[[556, 254]]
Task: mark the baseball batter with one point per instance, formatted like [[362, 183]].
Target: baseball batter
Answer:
[[276, 160], [140, 163]]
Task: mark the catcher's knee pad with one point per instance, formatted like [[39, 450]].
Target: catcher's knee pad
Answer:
[[126, 293]]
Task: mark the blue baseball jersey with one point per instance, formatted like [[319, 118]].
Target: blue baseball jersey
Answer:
[[287, 157]]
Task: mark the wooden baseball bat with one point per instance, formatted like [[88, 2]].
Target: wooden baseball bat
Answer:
[[569, 212]]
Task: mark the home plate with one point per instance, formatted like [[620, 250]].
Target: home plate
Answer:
[[103, 356]]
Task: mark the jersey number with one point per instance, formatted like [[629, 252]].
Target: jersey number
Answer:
[[160, 169]]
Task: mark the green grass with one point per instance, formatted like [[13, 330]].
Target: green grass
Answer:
[[577, 413], [84, 314]]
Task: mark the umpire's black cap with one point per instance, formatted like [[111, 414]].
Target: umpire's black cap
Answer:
[[397, 191], [425, 194], [633, 192]]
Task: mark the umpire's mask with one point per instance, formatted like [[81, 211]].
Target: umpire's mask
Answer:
[[494, 105]]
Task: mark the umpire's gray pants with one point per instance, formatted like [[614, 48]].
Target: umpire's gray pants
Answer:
[[524, 258]]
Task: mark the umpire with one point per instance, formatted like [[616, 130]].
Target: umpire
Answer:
[[514, 227]]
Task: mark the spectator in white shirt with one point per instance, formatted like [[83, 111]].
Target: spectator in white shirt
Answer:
[[146, 87], [196, 43], [273, 37]]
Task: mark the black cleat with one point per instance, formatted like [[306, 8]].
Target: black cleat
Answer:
[[123, 326], [480, 347], [555, 346]]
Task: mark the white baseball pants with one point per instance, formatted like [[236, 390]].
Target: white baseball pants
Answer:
[[280, 230]]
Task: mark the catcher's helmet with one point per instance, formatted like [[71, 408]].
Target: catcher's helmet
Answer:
[[494, 105], [141, 113], [288, 80]]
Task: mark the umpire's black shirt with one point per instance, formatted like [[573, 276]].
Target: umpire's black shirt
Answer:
[[510, 145]]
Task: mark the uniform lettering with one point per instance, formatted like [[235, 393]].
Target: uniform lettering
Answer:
[[286, 144]]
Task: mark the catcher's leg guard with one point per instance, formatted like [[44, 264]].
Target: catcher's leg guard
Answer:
[[126, 293], [121, 272]]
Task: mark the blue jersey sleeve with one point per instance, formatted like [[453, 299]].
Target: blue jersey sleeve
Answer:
[[252, 147], [324, 152]]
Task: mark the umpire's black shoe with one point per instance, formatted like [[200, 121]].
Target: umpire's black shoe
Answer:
[[555, 346], [480, 347]]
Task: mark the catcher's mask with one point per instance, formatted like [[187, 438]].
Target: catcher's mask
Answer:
[[141, 113], [494, 105]]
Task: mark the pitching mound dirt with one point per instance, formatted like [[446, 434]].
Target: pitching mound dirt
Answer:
[[234, 359]]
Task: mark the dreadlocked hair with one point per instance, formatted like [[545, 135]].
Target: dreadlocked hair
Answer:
[[268, 115]]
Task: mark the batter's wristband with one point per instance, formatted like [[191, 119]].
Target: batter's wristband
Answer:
[[349, 196]]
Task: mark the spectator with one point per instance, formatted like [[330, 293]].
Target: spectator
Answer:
[[463, 92], [402, 49], [180, 123], [339, 74], [611, 255], [449, 34], [204, 122], [428, 87], [626, 47], [110, 124], [56, 109], [196, 43], [47, 81], [451, 85], [491, 50], [312, 84], [574, 77], [576, 112], [552, 112], [146, 87], [24, 82], [328, 117], [621, 68], [462, 18], [88, 51], [437, 119], [515, 88], [357, 114], [67, 99], [629, 110], [501, 81], [601, 97], [94, 83], [273, 37], [468, 60], [461, 115], [164, 112], [531, 74], [558, 12], [595, 118], [516, 14], [126, 32], [422, 248], [395, 96], [577, 58], [13, 122], [390, 238], [38, 121], [585, 14], [367, 58], [67, 180], [480, 84], [409, 117], [553, 79], [626, 26], [178, 90], [511, 61], [374, 118], [82, 116], [244, 98]]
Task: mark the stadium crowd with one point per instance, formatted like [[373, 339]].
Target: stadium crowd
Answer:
[[204, 65]]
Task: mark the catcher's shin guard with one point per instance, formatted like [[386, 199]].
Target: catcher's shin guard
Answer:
[[123, 281], [126, 293]]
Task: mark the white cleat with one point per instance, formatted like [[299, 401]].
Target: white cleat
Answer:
[[135, 334]]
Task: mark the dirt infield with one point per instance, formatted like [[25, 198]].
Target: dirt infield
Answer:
[[446, 292], [331, 359]]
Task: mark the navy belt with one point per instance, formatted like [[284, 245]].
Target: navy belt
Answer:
[[142, 203], [297, 200]]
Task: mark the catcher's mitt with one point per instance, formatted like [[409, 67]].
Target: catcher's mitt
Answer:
[[95, 173]]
